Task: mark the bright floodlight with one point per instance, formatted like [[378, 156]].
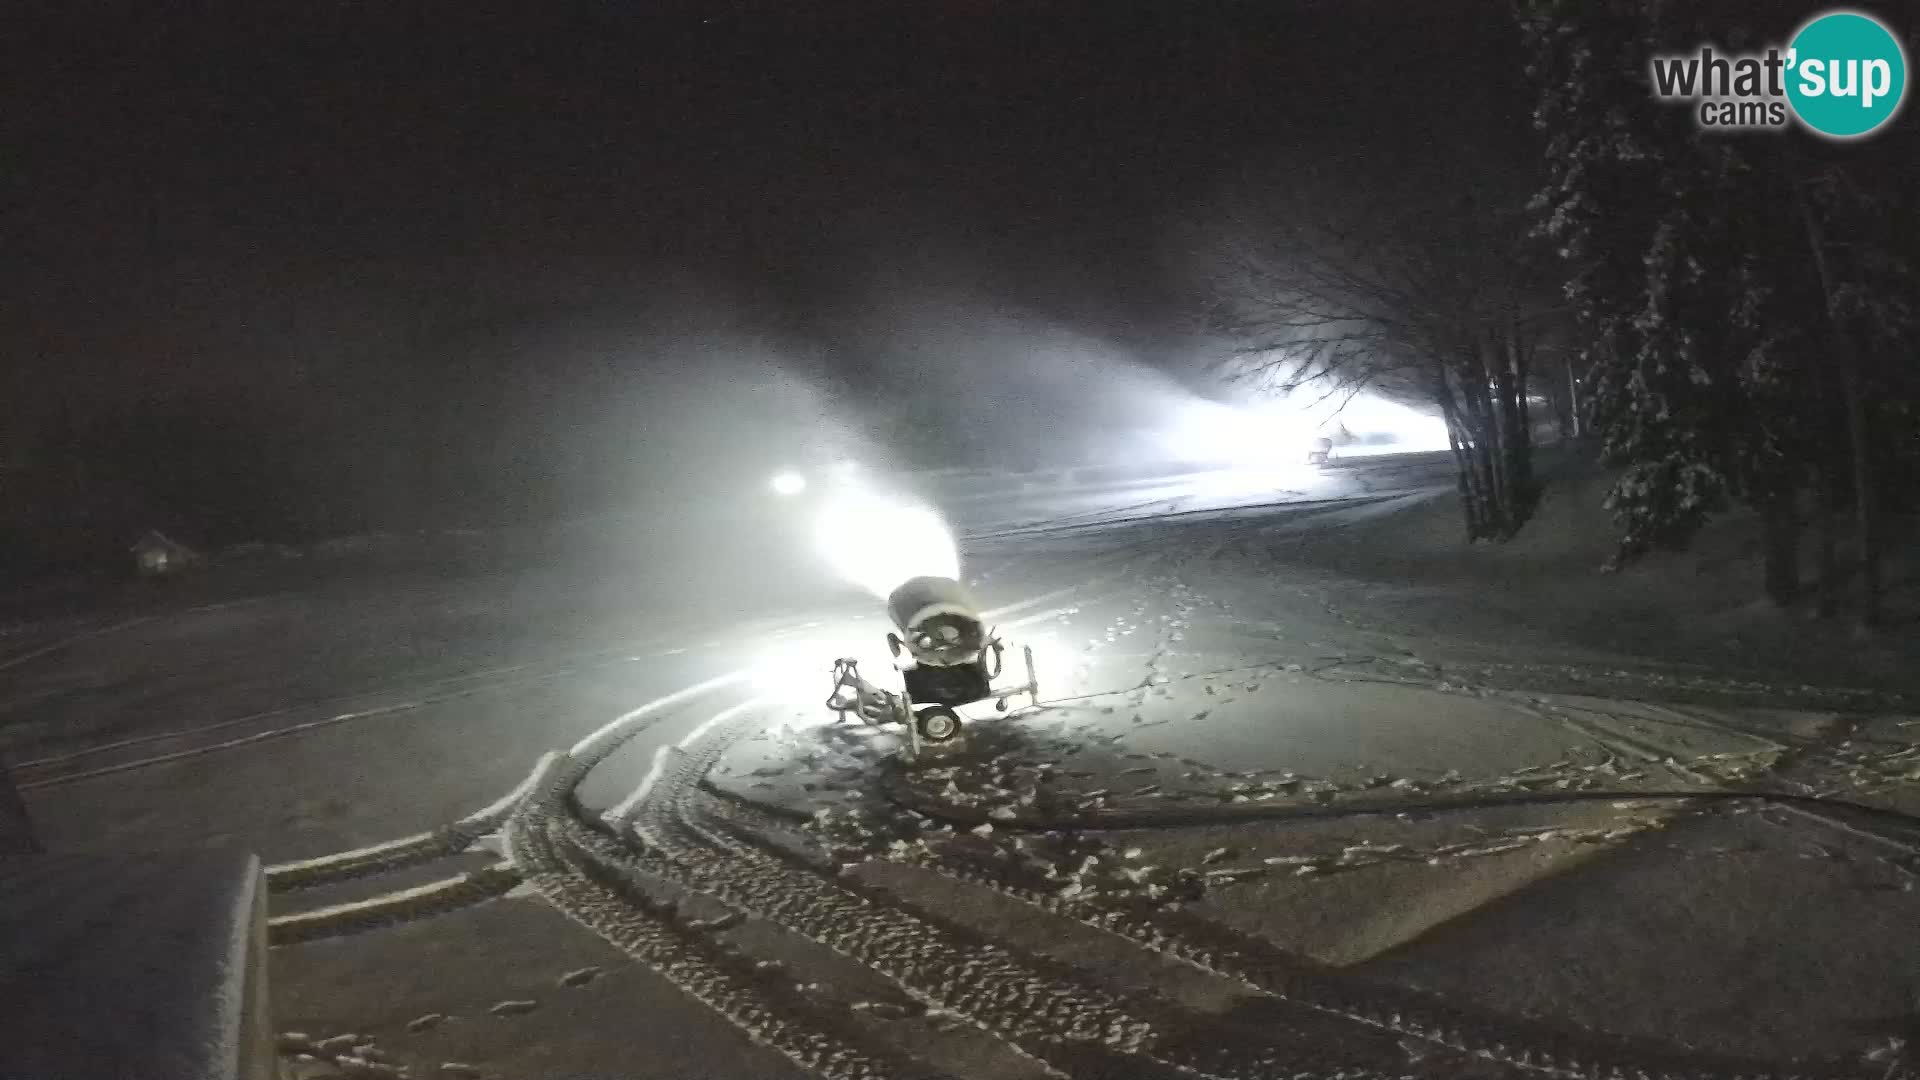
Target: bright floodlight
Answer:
[[1397, 427], [1208, 432], [789, 483], [877, 543]]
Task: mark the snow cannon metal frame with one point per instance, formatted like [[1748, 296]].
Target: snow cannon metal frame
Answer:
[[947, 657]]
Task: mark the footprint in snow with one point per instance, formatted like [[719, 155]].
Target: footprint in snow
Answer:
[[714, 925], [883, 1010], [308, 1067]]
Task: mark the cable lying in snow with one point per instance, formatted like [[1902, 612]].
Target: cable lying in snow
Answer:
[[1259, 965], [1903, 823], [1389, 1009]]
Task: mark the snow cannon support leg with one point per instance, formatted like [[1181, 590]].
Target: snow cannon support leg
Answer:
[[1031, 687], [854, 694]]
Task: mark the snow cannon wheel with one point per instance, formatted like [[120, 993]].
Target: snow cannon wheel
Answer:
[[937, 723]]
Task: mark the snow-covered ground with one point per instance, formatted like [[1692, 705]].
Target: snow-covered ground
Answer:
[[1274, 815], [1508, 850]]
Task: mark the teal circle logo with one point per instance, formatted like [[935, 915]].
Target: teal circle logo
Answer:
[[1847, 74]]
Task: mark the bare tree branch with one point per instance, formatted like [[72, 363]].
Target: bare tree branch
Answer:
[[1332, 288]]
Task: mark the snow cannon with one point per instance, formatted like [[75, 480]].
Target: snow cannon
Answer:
[[946, 655], [937, 622]]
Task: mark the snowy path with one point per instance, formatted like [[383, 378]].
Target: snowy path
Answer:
[[1267, 837], [681, 837]]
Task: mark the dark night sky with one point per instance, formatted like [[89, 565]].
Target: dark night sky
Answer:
[[738, 141], [321, 218]]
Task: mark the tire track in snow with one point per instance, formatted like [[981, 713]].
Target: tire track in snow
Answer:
[[107, 627], [1039, 1007], [497, 678], [567, 875], [458, 836], [37, 651], [691, 839], [443, 842], [1357, 1003], [904, 949], [555, 771], [27, 769], [1351, 1002], [434, 898], [1195, 1045]]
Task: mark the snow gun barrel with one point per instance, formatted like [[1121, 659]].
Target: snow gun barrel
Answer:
[[938, 620]]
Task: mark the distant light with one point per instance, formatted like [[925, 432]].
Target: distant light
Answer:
[[789, 483]]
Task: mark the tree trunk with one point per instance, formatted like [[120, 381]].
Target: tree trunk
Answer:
[[1470, 502], [1485, 444], [1460, 441], [1499, 419], [1847, 361], [1573, 399], [1520, 450], [1781, 521], [1828, 502], [1495, 389], [1866, 518]]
